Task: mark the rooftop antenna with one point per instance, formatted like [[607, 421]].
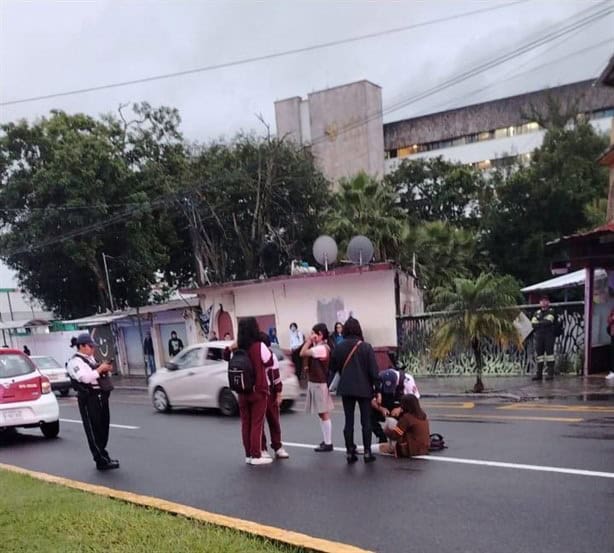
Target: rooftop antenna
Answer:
[[325, 250], [360, 250]]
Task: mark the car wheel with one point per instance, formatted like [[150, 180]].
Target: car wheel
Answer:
[[286, 405], [64, 393], [160, 401], [228, 403], [50, 429]]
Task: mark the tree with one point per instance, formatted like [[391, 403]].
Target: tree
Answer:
[[73, 187], [254, 205], [438, 190], [363, 205], [478, 310], [543, 201], [440, 253]]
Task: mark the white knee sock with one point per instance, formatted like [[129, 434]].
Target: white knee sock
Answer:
[[327, 431]]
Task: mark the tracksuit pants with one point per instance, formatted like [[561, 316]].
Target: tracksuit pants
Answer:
[[252, 409], [94, 409], [272, 419]]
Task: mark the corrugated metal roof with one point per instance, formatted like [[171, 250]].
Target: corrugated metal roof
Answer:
[[569, 280]]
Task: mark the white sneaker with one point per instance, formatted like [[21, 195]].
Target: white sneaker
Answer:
[[261, 460], [281, 453], [265, 454], [248, 460]]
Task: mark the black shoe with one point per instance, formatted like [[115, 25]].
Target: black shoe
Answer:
[[351, 458], [549, 378], [107, 465], [382, 440], [536, 377], [324, 447], [369, 457]]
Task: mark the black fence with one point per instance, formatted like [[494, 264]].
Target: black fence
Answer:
[[415, 336]]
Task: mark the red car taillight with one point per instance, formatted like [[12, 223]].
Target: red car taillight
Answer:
[[45, 385]]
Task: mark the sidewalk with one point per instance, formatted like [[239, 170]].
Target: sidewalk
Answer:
[[513, 388]]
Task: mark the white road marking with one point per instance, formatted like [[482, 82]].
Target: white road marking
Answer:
[[127, 427], [519, 466]]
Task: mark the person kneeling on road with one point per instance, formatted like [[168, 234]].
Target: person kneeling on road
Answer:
[[92, 383], [394, 384], [410, 434]]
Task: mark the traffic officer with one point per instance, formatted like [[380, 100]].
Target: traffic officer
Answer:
[[544, 324], [89, 378]]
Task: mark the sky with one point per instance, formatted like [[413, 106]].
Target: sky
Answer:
[[50, 46]]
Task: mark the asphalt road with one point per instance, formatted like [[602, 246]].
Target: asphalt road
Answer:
[[196, 458]]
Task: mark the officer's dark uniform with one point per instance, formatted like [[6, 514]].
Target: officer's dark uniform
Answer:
[[390, 399], [94, 408], [544, 324]]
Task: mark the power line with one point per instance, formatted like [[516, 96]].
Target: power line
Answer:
[[264, 57], [549, 37], [553, 34]]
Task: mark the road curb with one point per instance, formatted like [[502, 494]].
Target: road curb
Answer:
[[286, 537]]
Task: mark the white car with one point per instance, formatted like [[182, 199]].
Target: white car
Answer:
[[26, 399], [55, 372], [198, 377]]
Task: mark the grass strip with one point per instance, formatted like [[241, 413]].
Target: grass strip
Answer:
[[41, 517]]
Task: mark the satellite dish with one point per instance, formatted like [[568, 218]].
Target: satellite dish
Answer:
[[325, 250], [360, 250]]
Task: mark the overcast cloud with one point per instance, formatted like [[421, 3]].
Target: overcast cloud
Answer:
[[48, 47]]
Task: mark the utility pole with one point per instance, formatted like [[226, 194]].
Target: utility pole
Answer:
[[106, 272]]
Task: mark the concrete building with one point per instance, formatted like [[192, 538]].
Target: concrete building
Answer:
[[342, 125], [14, 304], [494, 133]]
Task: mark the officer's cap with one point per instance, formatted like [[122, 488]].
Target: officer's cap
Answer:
[[85, 339]]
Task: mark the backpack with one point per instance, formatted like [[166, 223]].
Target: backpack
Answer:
[[241, 374], [437, 442]]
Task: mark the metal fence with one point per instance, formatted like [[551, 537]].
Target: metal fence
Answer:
[[415, 336]]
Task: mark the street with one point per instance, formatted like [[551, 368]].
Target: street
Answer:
[[196, 458]]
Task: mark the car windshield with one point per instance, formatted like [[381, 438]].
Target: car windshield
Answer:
[[13, 364], [46, 363]]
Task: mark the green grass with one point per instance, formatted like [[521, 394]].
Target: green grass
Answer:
[[40, 517]]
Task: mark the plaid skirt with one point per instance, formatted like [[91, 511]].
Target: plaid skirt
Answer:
[[318, 398]]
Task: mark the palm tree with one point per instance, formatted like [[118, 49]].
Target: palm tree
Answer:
[[363, 205], [478, 310]]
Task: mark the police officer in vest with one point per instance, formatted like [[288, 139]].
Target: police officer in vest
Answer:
[[544, 325], [92, 382]]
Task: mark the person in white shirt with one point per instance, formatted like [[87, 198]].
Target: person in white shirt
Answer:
[[296, 343], [86, 375], [318, 401]]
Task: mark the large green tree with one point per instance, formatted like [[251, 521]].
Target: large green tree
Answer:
[[254, 205], [438, 190], [73, 187], [544, 200]]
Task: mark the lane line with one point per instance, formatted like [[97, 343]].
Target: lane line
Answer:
[[127, 427], [273, 533], [567, 408], [499, 464], [538, 468], [443, 416]]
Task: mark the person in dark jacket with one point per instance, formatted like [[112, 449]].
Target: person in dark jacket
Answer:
[[354, 360], [544, 325]]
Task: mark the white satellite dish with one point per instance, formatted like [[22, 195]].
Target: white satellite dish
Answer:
[[325, 250], [360, 250]]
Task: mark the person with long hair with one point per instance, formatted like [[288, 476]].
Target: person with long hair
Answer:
[[410, 435], [354, 360], [319, 402], [337, 335], [253, 405], [273, 403]]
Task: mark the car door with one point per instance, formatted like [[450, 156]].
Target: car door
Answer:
[[180, 382], [209, 377]]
